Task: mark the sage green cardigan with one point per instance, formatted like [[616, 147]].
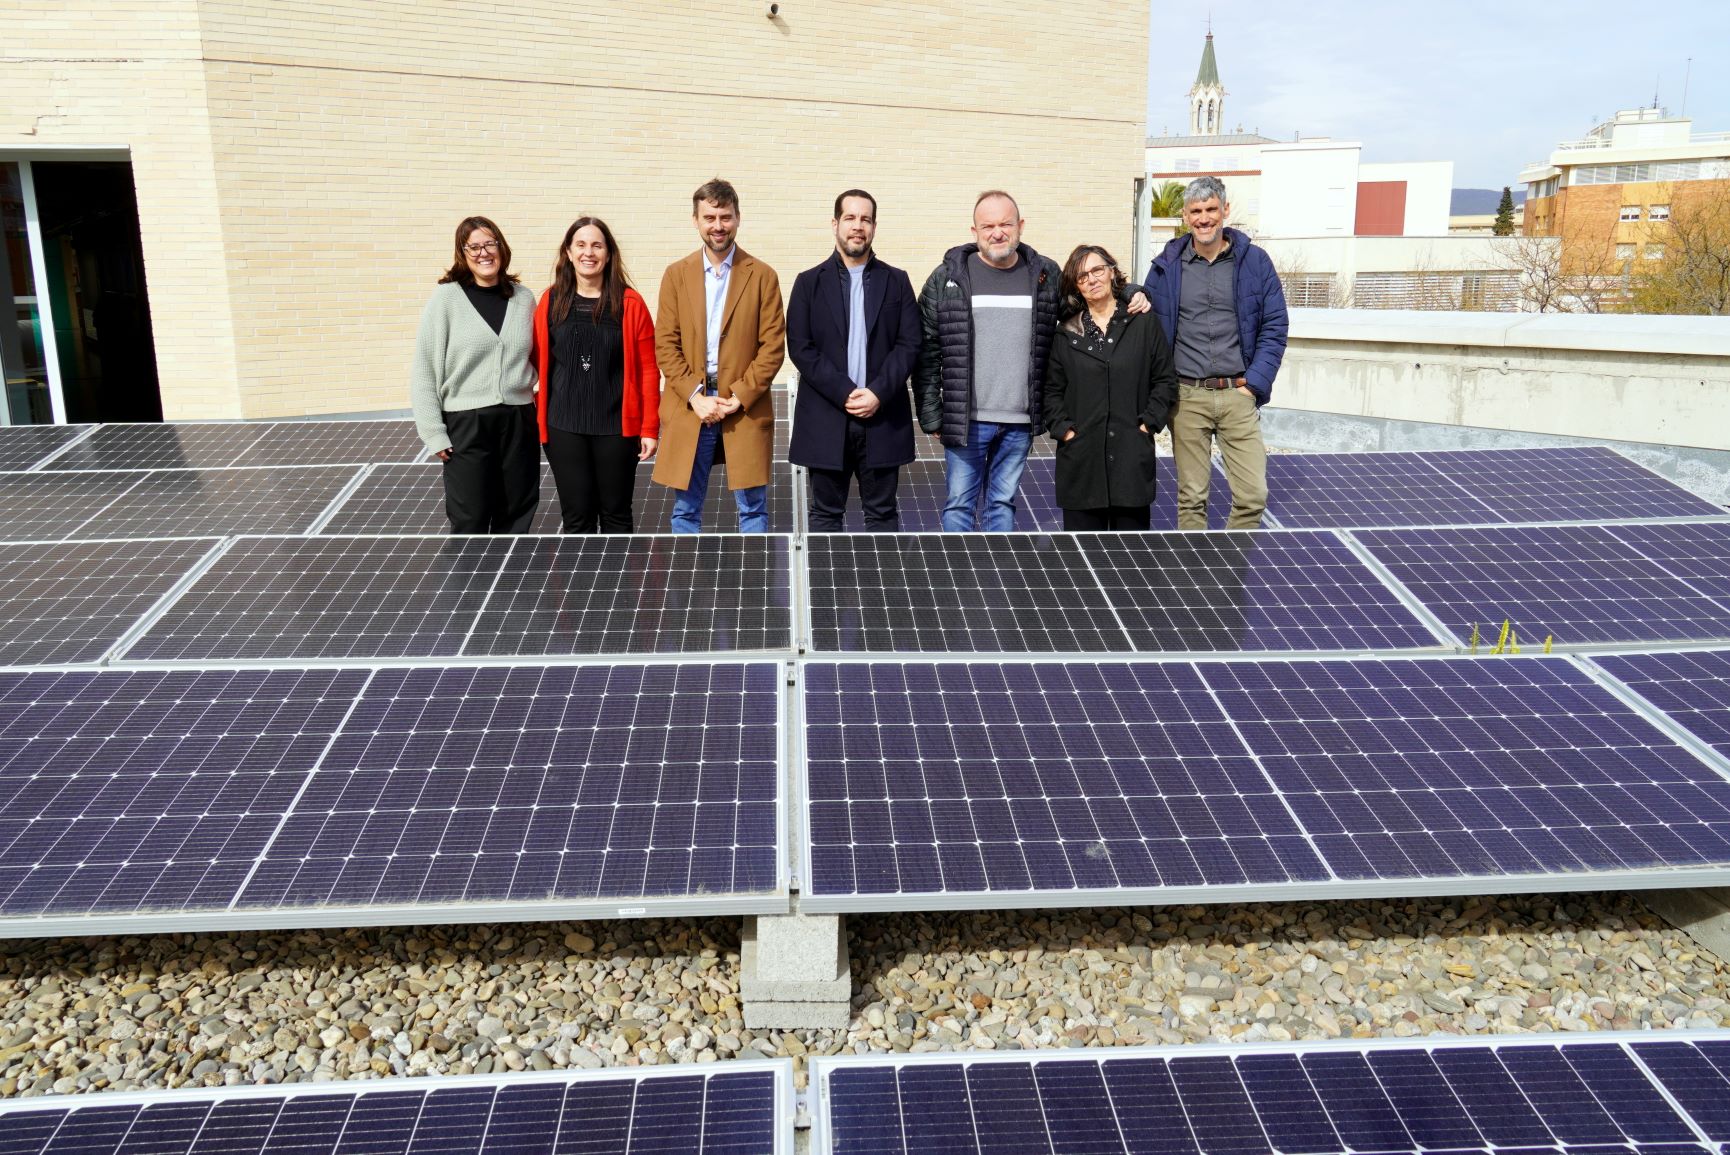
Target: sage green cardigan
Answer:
[[460, 363]]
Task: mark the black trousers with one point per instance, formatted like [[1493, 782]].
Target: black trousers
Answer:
[[1127, 517], [596, 475], [877, 490], [493, 474]]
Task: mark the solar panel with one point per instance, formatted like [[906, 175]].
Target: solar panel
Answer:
[[334, 443], [1622, 1094], [743, 1107], [1567, 483], [654, 503], [973, 593], [963, 785], [194, 445], [1248, 590], [139, 792], [184, 502], [618, 594], [330, 597], [1582, 584], [1696, 552], [1315, 490], [23, 446], [48, 506], [69, 602], [1691, 687], [540, 784]]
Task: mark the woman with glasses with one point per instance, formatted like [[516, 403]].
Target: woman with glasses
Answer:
[[1109, 387], [600, 395], [472, 386]]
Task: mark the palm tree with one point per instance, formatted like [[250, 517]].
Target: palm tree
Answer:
[[1168, 203]]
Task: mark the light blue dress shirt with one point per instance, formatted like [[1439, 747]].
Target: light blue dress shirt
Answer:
[[715, 281], [856, 326]]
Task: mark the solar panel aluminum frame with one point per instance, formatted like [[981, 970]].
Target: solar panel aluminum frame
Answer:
[[1201, 894], [304, 917], [1444, 637], [1653, 712], [821, 1068], [42, 462], [781, 1070], [336, 502]]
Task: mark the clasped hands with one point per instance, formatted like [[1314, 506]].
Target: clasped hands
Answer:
[[709, 409], [861, 403]]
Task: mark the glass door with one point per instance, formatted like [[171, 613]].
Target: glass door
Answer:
[[29, 396]]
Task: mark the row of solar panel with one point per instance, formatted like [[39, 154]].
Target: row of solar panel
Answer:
[[1616, 1096], [283, 798]]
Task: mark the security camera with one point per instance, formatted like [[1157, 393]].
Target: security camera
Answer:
[[771, 10]]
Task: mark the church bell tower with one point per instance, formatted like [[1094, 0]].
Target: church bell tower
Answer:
[[1207, 96]]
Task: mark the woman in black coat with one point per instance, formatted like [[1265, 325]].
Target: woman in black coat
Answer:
[[1109, 387]]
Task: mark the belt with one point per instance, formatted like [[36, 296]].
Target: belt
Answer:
[[1212, 382]]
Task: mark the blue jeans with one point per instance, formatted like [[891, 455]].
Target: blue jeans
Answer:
[[753, 503], [993, 459]]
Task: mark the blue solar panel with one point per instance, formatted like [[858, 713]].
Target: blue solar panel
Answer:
[[1566, 483], [1692, 687], [741, 1109], [1368, 489], [1289, 591], [964, 785], [1580, 584], [144, 791], [1696, 552], [538, 784], [1316, 1099]]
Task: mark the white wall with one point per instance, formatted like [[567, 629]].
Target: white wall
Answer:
[[1309, 189], [1429, 189]]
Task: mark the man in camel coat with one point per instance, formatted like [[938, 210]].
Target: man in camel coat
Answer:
[[720, 337]]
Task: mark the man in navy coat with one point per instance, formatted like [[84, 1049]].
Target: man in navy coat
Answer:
[[853, 333]]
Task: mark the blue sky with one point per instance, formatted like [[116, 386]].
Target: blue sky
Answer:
[[1487, 86]]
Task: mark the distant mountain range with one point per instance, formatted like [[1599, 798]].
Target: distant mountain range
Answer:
[[1472, 202]]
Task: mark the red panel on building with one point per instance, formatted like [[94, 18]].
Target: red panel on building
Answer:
[[1381, 208]]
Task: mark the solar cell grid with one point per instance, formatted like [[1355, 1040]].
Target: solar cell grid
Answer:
[[23, 446], [535, 784], [146, 791], [742, 1110], [638, 594], [1245, 590], [1566, 483], [330, 597], [1696, 552], [1581, 584], [969, 593], [334, 443], [1314, 490], [49, 506], [69, 602], [186, 502], [194, 445], [1316, 1099], [1692, 688]]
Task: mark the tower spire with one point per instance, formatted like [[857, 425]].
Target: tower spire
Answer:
[[1207, 94]]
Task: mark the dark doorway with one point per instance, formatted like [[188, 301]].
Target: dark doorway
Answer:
[[95, 274]]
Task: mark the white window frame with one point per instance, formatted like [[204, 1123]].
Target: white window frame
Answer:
[[1629, 214], [38, 286], [1658, 213]]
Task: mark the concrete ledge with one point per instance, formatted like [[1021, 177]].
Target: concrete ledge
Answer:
[[1703, 915], [1598, 333]]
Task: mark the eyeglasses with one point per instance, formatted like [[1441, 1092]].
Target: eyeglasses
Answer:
[[481, 249], [1096, 273]]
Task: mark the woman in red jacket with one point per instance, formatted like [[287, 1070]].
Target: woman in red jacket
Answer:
[[600, 391]]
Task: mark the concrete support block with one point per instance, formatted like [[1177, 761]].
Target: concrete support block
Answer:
[[1703, 915], [794, 972]]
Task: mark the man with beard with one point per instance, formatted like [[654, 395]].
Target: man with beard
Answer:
[[720, 337], [853, 333]]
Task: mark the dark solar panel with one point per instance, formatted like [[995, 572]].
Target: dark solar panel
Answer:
[[135, 792], [48, 506], [1244, 590], [1005, 783], [1696, 552], [334, 443], [1568, 483], [1473, 768], [23, 446], [653, 503], [639, 594], [330, 597], [539, 784], [1303, 1100], [1368, 489], [186, 502], [738, 1109], [1690, 687], [1580, 584], [163, 446], [69, 602], [957, 593]]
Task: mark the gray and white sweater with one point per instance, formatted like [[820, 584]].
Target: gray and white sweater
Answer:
[[460, 363]]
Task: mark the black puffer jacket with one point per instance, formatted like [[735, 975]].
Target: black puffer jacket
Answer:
[[943, 383]]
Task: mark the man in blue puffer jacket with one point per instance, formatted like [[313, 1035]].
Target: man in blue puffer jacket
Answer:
[[1220, 304]]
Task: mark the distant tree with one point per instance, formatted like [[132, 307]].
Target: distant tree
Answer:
[[1504, 226], [1168, 199], [1693, 275]]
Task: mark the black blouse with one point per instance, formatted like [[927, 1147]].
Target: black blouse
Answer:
[[588, 372]]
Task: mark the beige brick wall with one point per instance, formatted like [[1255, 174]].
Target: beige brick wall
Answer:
[[348, 138]]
